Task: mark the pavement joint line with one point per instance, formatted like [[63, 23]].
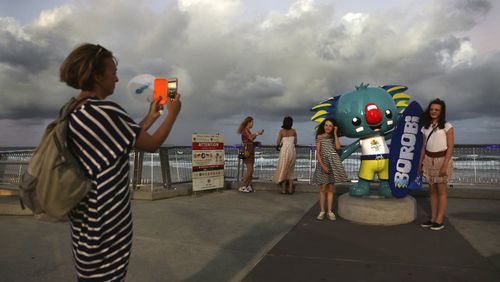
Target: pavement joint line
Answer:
[[257, 258], [387, 263], [263, 253]]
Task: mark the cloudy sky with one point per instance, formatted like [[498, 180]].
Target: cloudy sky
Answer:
[[237, 58]]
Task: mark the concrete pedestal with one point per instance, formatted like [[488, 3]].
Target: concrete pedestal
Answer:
[[377, 211]]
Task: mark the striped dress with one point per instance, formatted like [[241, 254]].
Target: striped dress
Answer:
[[102, 135], [336, 172]]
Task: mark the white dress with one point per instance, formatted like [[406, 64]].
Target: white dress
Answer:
[[286, 162]]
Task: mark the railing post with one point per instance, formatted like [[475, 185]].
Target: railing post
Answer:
[[475, 166], [310, 163], [165, 168], [2, 167], [238, 169]]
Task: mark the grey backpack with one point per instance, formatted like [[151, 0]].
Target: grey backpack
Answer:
[[54, 181]]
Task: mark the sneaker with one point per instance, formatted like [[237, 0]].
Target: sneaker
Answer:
[[427, 224], [321, 216], [250, 189], [436, 226], [243, 189], [331, 216]]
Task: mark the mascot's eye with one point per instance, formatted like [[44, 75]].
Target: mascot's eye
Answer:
[[356, 121], [388, 113]]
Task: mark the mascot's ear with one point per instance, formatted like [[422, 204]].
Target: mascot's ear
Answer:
[[362, 86], [400, 98], [325, 109]]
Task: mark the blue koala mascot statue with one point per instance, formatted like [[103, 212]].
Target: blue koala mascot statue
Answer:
[[368, 114]]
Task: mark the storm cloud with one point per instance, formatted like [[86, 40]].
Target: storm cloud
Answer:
[[231, 65]]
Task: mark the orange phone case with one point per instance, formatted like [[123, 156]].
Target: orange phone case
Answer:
[[160, 90]]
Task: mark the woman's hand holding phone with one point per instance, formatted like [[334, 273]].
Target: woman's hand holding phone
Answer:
[[174, 105]]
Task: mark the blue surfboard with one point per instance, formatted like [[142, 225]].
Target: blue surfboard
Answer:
[[405, 150]]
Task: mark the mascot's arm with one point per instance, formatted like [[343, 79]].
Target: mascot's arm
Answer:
[[345, 152]]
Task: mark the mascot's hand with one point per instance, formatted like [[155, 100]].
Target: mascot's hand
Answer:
[[341, 151], [346, 151]]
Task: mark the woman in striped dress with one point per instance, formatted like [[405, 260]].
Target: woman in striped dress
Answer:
[[329, 169], [101, 135]]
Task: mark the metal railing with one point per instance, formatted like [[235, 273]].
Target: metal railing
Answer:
[[473, 164]]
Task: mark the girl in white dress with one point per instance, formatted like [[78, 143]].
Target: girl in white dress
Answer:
[[287, 139]]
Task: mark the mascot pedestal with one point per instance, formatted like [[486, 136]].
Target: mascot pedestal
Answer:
[[374, 210]]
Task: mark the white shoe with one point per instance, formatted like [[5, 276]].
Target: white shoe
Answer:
[[321, 216], [250, 189], [331, 216], [243, 189]]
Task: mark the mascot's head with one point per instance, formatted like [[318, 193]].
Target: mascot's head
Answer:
[[366, 111]]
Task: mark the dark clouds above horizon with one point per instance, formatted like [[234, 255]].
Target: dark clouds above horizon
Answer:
[[231, 64]]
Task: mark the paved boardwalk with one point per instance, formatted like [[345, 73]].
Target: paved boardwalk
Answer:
[[343, 251], [265, 236]]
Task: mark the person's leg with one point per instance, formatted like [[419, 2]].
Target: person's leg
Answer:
[[247, 178], [434, 201], [333, 194], [290, 186], [331, 191], [441, 202], [322, 190], [330, 197], [283, 187]]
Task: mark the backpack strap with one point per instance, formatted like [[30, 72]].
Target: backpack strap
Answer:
[[67, 108], [64, 113]]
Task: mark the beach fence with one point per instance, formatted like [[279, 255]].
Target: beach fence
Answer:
[[473, 164]]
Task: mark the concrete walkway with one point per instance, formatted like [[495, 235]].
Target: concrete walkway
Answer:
[[215, 236], [343, 251]]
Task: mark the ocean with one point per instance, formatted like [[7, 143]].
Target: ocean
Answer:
[[473, 164]]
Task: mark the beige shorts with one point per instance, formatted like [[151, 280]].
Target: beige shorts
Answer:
[[431, 170]]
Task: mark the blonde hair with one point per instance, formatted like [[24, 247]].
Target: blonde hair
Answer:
[[82, 64], [244, 124]]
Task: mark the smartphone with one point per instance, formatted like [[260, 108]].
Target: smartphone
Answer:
[[172, 88], [160, 90]]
